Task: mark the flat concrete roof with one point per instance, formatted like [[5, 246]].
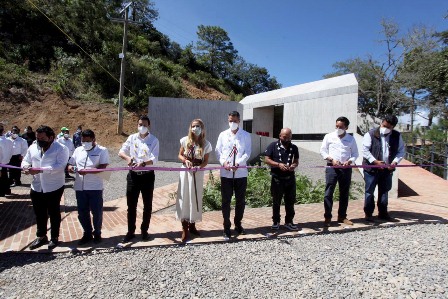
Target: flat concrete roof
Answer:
[[344, 84]]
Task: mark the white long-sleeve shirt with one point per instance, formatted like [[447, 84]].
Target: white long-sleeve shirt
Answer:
[[19, 146], [367, 143], [223, 150], [341, 149], [141, 149], [5, 150], [53, 162]]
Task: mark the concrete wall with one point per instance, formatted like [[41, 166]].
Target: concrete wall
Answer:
[[171, 117], [318, 116], [259, 144], [263, 120]]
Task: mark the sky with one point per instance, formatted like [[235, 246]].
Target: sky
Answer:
[[298, 41]]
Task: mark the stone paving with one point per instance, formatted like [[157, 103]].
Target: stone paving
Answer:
[[422, 199]]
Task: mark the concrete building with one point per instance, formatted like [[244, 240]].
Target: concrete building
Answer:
[[171, 117], [309, 109]]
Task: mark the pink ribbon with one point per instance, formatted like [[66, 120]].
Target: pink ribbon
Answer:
[[152, 168]]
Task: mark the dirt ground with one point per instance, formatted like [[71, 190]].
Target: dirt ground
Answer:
[[21, 108]]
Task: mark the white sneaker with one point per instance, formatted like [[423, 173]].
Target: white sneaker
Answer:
[[291, 226]]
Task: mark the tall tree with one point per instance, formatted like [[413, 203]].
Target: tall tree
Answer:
[[215, 50]]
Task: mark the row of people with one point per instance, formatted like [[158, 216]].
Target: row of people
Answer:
[[233, 150]]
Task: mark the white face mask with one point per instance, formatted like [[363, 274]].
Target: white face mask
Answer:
[[384, 131], [196, 131], [233, 126], [87, 145], [340, 131], [14, 136], [142, 130], [66, 136]]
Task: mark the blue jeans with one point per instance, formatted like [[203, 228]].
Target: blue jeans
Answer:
[[382, 178], [90, 201]]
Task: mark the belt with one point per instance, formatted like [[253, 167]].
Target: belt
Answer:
[[141, 172]]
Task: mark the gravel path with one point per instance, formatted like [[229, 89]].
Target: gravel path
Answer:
[[394, 262], [116, 186]]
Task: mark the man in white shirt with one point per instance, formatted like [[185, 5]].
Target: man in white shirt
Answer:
[[45, 160], [89, 186], [5, 157], [139, 150], [381, 146], [19, 148], [233, 149], [339, 149], [68, 142]]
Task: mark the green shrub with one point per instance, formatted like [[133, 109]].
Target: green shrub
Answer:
[[258, 193], [14, 75]]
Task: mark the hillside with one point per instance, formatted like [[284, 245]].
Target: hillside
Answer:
[[23, 108]]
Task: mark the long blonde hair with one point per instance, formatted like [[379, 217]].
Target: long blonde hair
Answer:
[[191, 137]]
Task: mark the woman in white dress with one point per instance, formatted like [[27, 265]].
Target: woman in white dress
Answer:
[[193, 153]]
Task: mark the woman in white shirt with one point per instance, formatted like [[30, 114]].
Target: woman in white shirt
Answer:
[[193, 153]]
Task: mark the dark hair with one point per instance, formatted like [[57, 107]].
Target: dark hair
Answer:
[[80, 127], [344, 120], [235, 113], [392, 119], [88, 133], [145, 117], [47, 130], [15, 128], [29, 128]]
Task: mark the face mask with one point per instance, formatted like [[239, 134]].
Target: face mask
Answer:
[[43, 143], [25, 131], [384, 131], [233, 126], [142, 130], [340, 132], [196, 131], [285, 142], [78, 131], [87, 145], [14, 136], [66, 136]]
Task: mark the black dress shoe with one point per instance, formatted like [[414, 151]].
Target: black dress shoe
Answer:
[[53, 244], [86, 238], [128, 237], [386, 217], [97, 239], [39, 242], [145, 236], [240, 230]]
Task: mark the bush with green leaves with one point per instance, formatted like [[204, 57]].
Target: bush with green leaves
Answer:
[[14, 75], [258, 193]]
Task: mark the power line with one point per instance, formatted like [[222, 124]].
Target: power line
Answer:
[[75, 43]]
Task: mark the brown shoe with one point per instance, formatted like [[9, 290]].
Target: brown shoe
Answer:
[[193, 230], [345, 221], [327, 222], [185, 233]]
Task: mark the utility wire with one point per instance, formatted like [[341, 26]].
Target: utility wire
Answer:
[[74, 42]]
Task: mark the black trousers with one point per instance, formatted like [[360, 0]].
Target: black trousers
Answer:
[[15, 174], [343, 177], [4, 181], [44, 205], [283, 187], [228, 186], [137, 183]]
